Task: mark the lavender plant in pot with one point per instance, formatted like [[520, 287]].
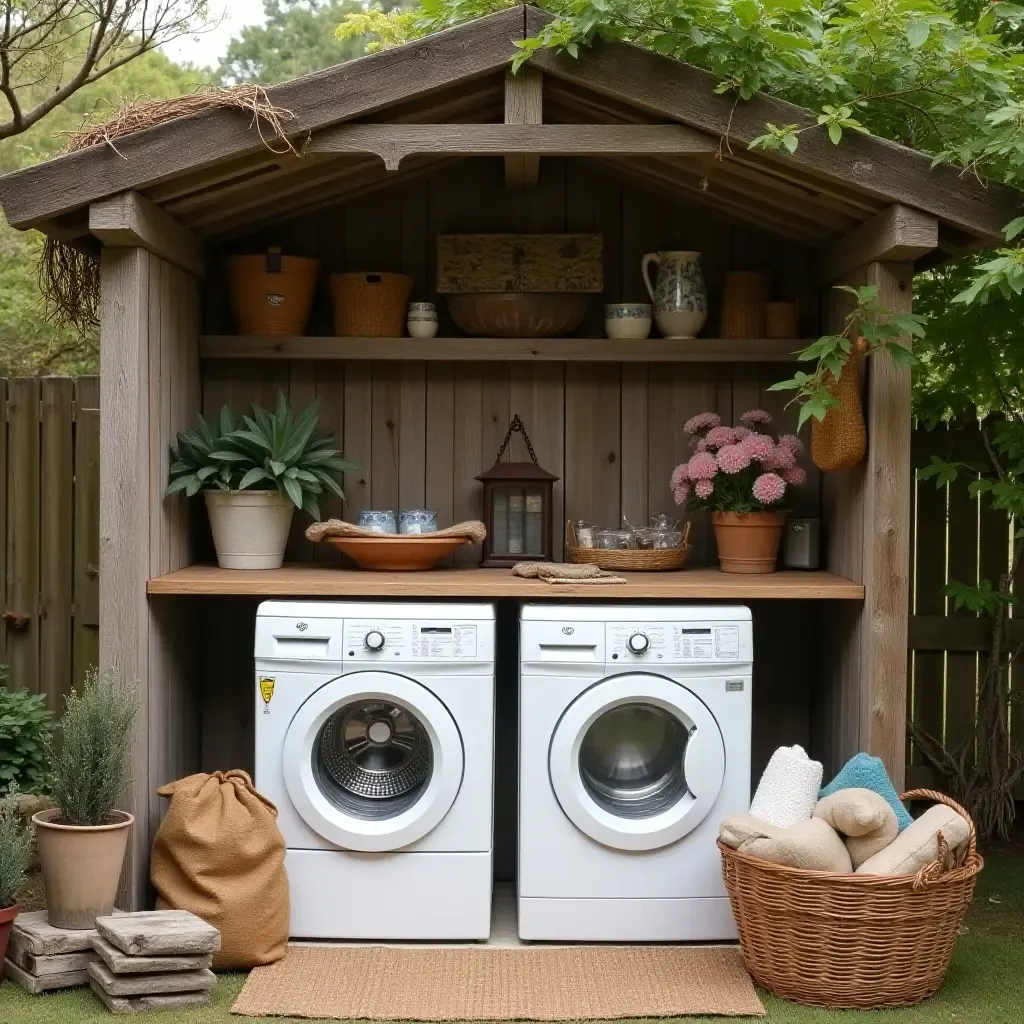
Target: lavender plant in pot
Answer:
[[15, 853], [742, 474], [82, 841]]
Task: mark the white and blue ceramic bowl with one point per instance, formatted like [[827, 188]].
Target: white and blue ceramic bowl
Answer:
[[628, 319]]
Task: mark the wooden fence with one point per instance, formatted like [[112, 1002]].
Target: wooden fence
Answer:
[[955, 537], [49, 508], [49, 531]]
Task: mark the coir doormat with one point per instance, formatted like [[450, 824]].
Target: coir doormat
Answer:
[[520, 983]]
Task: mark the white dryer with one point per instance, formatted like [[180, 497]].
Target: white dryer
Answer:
[[634, 735], [375, 738]]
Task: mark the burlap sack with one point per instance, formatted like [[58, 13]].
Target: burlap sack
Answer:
[[219, 853]]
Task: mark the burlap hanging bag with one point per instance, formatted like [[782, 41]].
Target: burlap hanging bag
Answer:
[[839, 441], [219, 853]]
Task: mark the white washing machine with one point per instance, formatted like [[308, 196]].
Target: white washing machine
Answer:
[[375, 738], [634, 744]]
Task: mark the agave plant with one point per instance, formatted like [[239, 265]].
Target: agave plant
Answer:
[[282, 452], [193, 466]]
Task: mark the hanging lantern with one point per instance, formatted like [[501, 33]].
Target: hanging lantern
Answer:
[[517, 507]]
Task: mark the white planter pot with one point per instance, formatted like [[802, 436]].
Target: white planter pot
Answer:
[[250, 528]]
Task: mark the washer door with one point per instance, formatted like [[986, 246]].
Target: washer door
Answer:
[[373, 761], [637, 761]]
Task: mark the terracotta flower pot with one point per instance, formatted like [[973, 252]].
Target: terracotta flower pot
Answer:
[[7, 916], [747, 541], [81, 867]]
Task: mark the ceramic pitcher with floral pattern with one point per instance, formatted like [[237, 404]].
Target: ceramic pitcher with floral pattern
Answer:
[[679, 294]]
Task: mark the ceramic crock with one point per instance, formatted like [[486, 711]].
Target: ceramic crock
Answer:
[[679, 294]]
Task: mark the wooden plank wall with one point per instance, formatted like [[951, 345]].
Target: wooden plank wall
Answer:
[[422, 431], [49, 532], [960, 538]]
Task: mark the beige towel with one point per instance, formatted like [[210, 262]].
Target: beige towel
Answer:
[[558, 572], [473, 529]]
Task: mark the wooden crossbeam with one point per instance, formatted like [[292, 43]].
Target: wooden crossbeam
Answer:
[[897, 234], [393, 142]]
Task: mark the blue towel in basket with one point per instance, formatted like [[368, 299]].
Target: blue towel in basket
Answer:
[[863, 771]]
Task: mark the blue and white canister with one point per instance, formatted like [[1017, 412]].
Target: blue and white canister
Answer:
[[378, 520], [417, 520]]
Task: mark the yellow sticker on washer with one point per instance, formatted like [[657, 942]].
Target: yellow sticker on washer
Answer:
[[267, 692]]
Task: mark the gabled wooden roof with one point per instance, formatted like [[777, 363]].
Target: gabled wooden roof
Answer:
[[213, 174]]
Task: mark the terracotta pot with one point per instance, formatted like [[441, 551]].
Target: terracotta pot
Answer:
[[81, 867], [747, 541], [7, 916]]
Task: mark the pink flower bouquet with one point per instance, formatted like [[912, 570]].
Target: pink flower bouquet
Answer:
[[737, 469]]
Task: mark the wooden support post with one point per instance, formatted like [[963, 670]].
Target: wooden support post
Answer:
[[129, 220], [524, 104], [149, 390], [867, 508]]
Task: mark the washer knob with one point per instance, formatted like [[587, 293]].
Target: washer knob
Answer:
[[638, 643], [374, 640]]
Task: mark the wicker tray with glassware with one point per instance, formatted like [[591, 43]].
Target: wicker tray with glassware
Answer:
[[848, 940], [628, 559]]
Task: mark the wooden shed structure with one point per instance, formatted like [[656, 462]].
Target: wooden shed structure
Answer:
[[438, 136]]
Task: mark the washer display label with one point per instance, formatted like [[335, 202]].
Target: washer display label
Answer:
[[444, 642]]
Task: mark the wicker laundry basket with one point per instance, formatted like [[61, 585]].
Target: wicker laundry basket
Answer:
[[848, 940], [370, 305]]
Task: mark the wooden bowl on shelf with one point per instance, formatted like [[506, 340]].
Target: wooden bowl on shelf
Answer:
[[404, 553], [518, 315]]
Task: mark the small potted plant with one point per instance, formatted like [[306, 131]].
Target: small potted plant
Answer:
[[82, 841], [742, 474], [15, 853], [254, 474]]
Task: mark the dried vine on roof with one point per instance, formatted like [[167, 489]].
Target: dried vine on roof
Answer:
[[69, 278]]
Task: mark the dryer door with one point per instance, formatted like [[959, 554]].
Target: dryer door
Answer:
[[373, 761], [637, 761]]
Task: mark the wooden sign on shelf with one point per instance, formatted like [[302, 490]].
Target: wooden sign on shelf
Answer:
[[469, 264]]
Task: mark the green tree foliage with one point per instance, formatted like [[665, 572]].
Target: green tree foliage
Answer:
[[296, 39], [25, 728], [28, 343]]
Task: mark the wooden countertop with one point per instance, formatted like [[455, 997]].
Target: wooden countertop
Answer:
[[325, 581]]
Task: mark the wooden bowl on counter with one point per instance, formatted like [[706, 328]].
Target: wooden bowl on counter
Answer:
[[518, 315], [404, 553]]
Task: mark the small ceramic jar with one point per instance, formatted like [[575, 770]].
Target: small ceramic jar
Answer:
[[628, 319], [417, 520], [422, 320], [378, 520]]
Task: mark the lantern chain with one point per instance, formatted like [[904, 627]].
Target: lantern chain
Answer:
[[516, 426]]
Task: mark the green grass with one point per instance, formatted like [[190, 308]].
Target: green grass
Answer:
[[985, 983]]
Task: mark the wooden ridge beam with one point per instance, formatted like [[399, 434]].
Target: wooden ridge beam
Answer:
[[393, 142], [131, 221], [898, 234], [524, 104]]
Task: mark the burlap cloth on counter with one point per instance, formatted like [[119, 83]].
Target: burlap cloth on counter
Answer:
[[472, 528], [558, 572]]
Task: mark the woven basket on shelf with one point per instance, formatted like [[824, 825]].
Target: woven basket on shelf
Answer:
[[628, 560], [839, 441], [781, 320], [744, 294], [271, 293], [848, 940], [370, 305]]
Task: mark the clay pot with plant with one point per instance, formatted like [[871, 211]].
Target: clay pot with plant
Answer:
[[82, 841], [742, 474], [15, 854], [254, 473]]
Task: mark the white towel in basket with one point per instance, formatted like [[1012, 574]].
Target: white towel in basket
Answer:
[[788, 790]]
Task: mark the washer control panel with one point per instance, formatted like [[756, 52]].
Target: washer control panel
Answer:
[[384, 641], [669, 642]]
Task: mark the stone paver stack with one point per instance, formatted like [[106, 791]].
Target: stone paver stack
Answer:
[[154, 960], [42, 958]]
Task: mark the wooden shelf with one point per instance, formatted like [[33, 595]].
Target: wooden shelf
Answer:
[[324, 581], [646, 350]]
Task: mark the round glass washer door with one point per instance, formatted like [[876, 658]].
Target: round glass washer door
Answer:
[[373, 761], [636, 761]]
